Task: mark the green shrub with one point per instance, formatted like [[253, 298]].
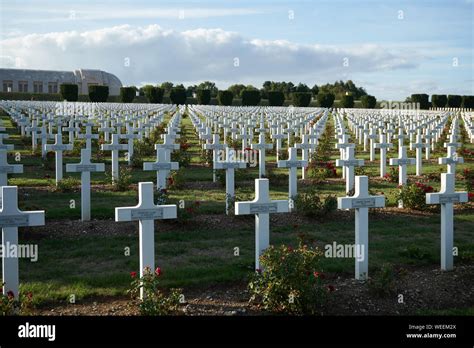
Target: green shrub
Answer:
[[69, 91], [182, 156], [153, 94], [347, 101], [301, 99], [368, 101], [176, 179], [454, 101], [325, 100], [439, 100], [204, 96], [290, 280], [127, 94], [178, 96], [313, 204], [467, 101], [68, 184], [250, 97], [98, 94], [414, 195], [124, 181], [276, 98], [9, 305], [414, 252], [155, 301], [225, 97], [421, 99], [383, 282]]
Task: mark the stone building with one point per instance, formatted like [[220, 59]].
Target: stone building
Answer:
[[48, 81]]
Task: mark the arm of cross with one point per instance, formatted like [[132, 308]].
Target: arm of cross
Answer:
[[11, 216]]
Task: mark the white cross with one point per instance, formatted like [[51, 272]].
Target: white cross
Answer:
[[230, 164], [401, 137], [115, 147], [372, 136], [361, 202], [88, 136], [262, 207], [71, 129], [168, 145], [348, 165], [278, 136], [215, 147], [10, 219], [85, 167], [6, 168], [451, 160], [446, 198], [383, 146], [34, 129], [261, 147], [292, 163], [58, 147], [402, 161], [418, 145], [162, 168], [130, 136], [305, 145], [145, 212], [342, 146]]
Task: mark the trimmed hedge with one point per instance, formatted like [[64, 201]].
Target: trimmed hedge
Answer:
[[468, 101], [368, 101], [250, 97], [204, 96], [439, 100], [127, 94], [69, 92], [301, 99], [325, 100], [276, 98], [98, 94], [422, 99], [454, 101], [178, 96], [154, 94], [347, 101], [225, 97]]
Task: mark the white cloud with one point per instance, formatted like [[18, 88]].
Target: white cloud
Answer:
[[156, 54]]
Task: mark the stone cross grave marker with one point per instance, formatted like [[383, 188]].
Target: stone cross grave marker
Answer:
[[10, 219], [115, 147], [293, 164], [146, 212], [58, 147], [446, 198], [262, 146], [262, 206], [85, 167], [348, 164], [162, 168], [215, 147], [361, 202], [418, 145], [383, 145]]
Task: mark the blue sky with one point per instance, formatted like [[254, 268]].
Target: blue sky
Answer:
[[392, 48]]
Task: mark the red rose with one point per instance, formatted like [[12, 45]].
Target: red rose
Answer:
[[258, 270], [290, 249], [29, 295], [158, 271], [133, 274], [10, 294], [316, 274]]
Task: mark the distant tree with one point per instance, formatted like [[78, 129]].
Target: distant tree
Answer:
[[69, 91], [468, 101], [368, 101], [204, 96], [153, 94], [276, 98], [190, 90], [127, 94], [236, 89], [302, 88], [250, 96], [454, 101], [325, 99], [421, 99], [315, 90], [439, 100], [98, 94], [167, 87], [301, 99], [178, 95], [347, 101], [225, 97], [211, 86]]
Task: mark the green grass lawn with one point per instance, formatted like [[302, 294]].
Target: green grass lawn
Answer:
[[195, 254]]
